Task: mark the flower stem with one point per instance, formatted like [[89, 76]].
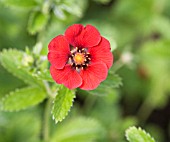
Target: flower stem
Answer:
[[46, 120], [145, 110]]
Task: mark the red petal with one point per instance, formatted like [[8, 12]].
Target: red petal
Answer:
[[93, 75], [78, 36], [102, 53], [72, 33], [67, 76], [90, 36], [58, 51]]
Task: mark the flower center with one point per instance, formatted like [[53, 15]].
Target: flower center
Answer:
[[79, 58]]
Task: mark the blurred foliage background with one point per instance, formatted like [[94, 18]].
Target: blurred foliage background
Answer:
[[139, 33]]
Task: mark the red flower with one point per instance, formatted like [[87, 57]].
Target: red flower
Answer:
[[81, 58]]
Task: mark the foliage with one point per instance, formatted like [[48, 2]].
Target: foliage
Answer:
[[136, 91], [78, 129], [18, 63], [62, 103], [138, 135], [22, 98]]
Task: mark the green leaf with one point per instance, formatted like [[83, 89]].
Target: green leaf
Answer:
[[155, 57], [63, 7], [18, 63], [22, 98], [62, 103], [113, 81], [20, 3], [37, 22], [138, 135], [78, 130], [15, 127], [44, 75]]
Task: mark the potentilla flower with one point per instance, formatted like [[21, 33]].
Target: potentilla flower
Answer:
[[80, 58]]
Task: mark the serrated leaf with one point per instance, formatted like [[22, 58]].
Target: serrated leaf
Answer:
[[113, 81], [22, 98], [20, 3], [138, 135], [16, 62], [62, 103], [37, 22], [78, 130]]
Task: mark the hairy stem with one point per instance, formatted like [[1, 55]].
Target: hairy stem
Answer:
[[46, 120]]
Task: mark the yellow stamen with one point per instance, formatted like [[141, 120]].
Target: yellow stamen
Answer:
[[79, 58]]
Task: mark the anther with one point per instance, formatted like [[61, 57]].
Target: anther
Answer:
[[89, 58], [69, 60]]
